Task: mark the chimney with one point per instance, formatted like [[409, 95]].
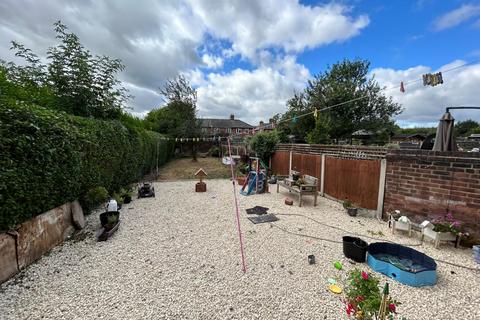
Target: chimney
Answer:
[[232, 117], [270, 120], [261, 123]]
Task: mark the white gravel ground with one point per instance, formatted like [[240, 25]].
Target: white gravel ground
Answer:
[[177, 256]]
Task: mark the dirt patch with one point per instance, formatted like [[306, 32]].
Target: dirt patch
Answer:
[[185, 168]]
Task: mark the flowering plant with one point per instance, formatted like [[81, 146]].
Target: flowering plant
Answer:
[[364, 296], [447, 223]]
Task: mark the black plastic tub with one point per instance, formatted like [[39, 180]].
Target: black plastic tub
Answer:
[[355, 248]]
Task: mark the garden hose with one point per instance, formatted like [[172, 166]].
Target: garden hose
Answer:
[[357, 234]]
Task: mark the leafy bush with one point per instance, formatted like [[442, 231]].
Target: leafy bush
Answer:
[[95, 197], [264, 144], [48, 158], [214, 152]]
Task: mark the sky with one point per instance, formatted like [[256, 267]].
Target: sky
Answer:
[[247, 57]]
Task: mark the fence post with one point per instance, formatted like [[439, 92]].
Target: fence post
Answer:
[[290, 164], [381, 188], [322, 177]]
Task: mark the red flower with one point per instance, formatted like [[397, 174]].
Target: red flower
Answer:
[[392, 307], [350, 309], [364, 275], [360, 298]]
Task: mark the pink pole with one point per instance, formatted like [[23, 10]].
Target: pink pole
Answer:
[[244, 266]]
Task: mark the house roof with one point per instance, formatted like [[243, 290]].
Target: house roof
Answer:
[[224, 123], [408, 136]]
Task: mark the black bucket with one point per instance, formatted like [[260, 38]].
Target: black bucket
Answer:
[[355, 248]]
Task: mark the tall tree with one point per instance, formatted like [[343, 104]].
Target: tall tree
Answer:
[[345, 81], [178, 118], [76, 81]]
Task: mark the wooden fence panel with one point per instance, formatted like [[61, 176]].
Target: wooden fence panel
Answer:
[[357, 180], [280, 163], [308, 164]]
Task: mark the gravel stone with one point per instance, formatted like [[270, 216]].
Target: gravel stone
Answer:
[[177, 256]]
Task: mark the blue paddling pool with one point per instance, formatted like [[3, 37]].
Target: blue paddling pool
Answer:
[[403, 264]]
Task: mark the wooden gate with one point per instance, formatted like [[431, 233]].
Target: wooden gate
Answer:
[[353, 179]]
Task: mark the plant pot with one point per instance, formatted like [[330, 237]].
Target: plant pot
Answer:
[[127, 199], [352, 212], [241, 181], [104, 233], [311, 259], [355, 248], [108, 230]]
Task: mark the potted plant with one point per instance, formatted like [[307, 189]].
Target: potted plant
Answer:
[[352, 210], [444, 228], [110, 221], [126, 195], [365, 299]]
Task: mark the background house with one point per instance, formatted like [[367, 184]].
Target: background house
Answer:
[[262, 126], [225, 127], [415, 138]]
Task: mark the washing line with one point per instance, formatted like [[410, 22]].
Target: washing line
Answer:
[[365, 96]]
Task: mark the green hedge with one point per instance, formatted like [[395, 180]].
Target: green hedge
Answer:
[[48, 158]]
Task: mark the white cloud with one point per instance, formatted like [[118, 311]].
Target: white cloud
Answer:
[[425, 104], [212, 62], [157, 40], [285, 24], [456, 17], [251, 95]]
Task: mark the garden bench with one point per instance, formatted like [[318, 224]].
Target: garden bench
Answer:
[[308, 188]]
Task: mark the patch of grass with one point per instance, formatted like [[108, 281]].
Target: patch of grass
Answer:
[[185, 168]]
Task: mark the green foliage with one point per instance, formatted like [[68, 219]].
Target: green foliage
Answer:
[[214, 151], [344, 81], [264, 144], [466, 128], [420, 130], [347, 204], [73, 80], [320, 134], [48, 158], [94, 197], [178, 118]]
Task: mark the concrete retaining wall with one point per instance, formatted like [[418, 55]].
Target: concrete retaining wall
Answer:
[[32, 239]]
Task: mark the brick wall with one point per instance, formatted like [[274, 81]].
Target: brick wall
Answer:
[[424, 184]]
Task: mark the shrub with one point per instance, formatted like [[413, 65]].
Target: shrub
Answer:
[[48, 158], [94, 197], [264, 144], [347, 204]]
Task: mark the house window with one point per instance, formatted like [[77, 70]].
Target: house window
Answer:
[[239, 130], [229, 130], [204, 129], [216, 129], [246, 131]]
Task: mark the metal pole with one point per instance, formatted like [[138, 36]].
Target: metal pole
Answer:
[[244, 266]]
